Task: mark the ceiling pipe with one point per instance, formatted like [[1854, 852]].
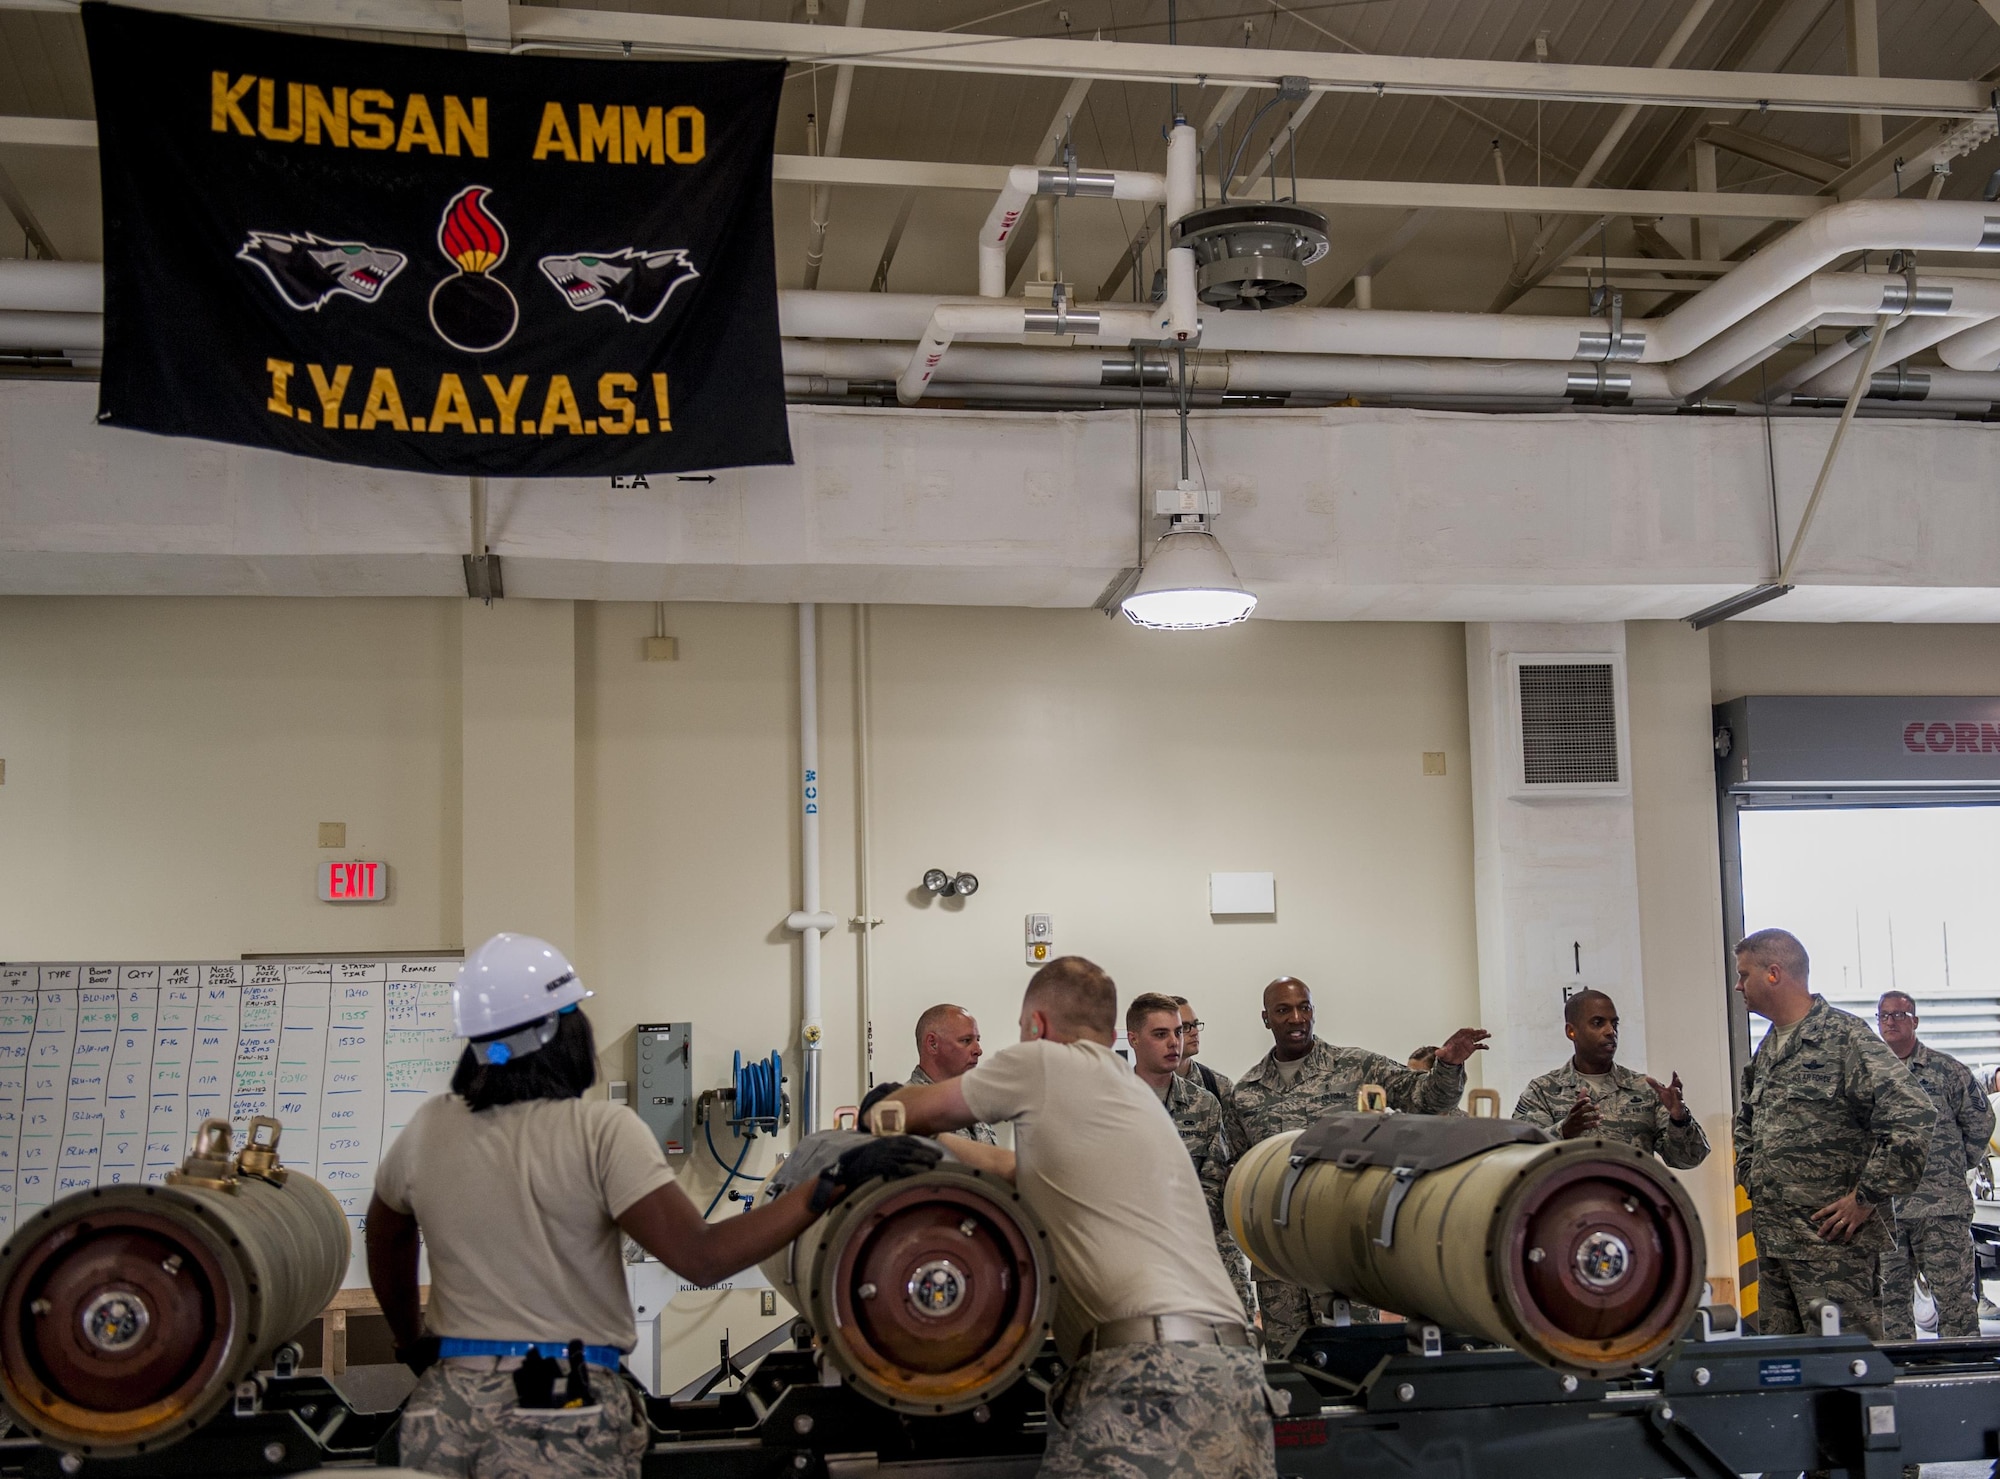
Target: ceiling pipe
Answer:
[[1977, 348], [51, 287], [1176, 321], [952, 319], [1903, 341], [1760, 287], [1025, 182], [1967, 334], [1837, 299], [1855, 226], [1234, 373]]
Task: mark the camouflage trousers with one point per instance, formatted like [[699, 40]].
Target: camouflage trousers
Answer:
[[1939, 1248], [1162, 1411], [1238, 1268], [1787, 1283], [462, 1423], [1288, 1310]]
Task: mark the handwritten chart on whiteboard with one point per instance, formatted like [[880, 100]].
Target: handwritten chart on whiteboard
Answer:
[[106, 1071]]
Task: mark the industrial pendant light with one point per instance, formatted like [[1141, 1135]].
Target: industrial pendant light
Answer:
[[1188, 582]]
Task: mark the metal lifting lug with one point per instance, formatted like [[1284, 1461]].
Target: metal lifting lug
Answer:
[[208, 1163], [259, 1156]]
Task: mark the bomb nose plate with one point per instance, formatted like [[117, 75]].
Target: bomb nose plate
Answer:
[[936, 1288], [116, 1320], [1603, 1260]]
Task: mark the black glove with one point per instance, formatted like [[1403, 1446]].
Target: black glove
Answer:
[[420, 1355], [874, 1097], [889, 1157]]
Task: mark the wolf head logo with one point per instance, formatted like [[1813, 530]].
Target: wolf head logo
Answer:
[[308, 270], [637, 284]]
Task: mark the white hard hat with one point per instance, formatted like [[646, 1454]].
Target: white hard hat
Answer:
[[511, 982]]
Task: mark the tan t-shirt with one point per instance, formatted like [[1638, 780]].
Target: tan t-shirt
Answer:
[[1108, 1176], [518, 1206]]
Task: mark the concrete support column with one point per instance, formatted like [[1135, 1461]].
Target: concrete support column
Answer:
[[518, 769], [1621, 892], [1555, 877], [1683, 953]]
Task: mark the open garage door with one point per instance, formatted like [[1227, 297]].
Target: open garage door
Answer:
[[1870, 828]]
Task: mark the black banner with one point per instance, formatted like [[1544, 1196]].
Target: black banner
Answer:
[[434, 260]]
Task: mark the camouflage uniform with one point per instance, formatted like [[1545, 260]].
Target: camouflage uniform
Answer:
[[1829, 1112], [461, 1423], [982, 1133], [1218, 1084], [1261, 1105], [1632, 1113], [1934, 1222], [1197, 1117], [1162, 1411]]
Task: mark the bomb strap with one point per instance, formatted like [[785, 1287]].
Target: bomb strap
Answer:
[[1408, 1145]]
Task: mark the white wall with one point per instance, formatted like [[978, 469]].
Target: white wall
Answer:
[[169, 761], [1749, 657]]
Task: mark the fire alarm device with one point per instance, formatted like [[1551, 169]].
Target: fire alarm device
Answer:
[[1041, 932]]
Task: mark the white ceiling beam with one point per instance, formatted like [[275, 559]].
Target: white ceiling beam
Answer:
[[1224, 66], [488, 26], [50, 133], [1287, 134], [1864, 59], [1383, 194], [898, 174], [1770, 151]]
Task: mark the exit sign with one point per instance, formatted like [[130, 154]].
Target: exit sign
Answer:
[[353, 883]]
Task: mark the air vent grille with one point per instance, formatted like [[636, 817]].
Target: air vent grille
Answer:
[[1569, 724]]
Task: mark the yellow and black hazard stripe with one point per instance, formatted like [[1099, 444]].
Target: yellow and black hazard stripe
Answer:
[[1746, 1263]]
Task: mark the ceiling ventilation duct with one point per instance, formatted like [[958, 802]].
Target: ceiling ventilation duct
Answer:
[[1252, 254]]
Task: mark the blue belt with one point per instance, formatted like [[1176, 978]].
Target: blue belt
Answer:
[[607, 1356]]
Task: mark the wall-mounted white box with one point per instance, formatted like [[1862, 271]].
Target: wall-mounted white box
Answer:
[[1242, 893]]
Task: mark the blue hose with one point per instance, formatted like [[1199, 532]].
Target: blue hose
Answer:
[[758, 1093], [735, 1171], [758, 1096]]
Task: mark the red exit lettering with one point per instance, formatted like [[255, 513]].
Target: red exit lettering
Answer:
[[353, 882]]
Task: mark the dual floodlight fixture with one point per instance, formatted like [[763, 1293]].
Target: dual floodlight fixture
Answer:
[[950, 885]]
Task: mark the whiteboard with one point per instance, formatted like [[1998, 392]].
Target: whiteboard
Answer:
[[106, 1071]]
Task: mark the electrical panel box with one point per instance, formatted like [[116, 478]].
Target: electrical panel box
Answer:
[[663, 1085]]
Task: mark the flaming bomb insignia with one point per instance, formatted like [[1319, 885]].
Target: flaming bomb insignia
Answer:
[[308, 270], [472, 310], [637, 284]]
